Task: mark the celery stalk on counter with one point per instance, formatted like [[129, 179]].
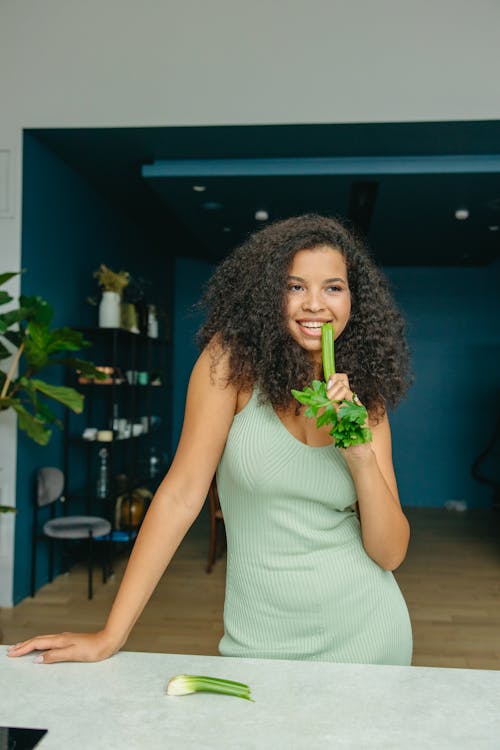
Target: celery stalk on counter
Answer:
[[184, 684], [349, 423]]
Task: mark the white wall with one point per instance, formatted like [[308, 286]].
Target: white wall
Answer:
[[158, 62], [67, 63]]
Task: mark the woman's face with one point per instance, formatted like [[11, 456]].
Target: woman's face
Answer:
[[317, 293]]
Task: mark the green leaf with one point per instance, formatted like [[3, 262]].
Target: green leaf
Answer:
[[348, 423], [314, 395], [353, 412], [5, 277], [35, 357], [13, 316], [35, 428], [329, 416], [67, 396], [311, 412], [4, 352], [36, 345], [26, 385], [303, 397], [5, 297], [351, 426], [15, 337], [66, 339], [38, 308], [41, 342], [82, 366], [46, 415]]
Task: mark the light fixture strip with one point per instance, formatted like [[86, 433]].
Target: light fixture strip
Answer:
[[280, 167]]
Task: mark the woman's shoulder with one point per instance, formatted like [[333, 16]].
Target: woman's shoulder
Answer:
[[212, 371], [213, 364]]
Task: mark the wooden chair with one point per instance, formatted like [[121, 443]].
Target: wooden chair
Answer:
[[216, 523], [64, 528]]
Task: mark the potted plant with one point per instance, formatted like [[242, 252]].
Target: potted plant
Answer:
[[27, 337], [112, 284]]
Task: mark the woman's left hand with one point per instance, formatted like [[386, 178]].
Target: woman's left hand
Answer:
[[338, 390]]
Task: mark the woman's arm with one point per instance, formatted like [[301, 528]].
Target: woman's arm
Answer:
[[210, 408], [384, 528]]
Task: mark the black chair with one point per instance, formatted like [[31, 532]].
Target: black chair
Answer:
[[64, 528]]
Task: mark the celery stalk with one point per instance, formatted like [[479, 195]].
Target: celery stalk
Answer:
[[328, 350], [349, 424], [184, 684]]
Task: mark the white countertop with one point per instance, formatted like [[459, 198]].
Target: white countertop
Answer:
[[121, 703]]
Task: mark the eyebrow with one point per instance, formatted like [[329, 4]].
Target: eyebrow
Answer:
[[326, 281]]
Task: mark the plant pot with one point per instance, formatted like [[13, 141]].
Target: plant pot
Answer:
[[109, 310]]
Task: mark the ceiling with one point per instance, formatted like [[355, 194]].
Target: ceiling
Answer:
[[399, 184]]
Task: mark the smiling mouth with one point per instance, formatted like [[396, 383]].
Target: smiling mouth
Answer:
[[311, 327]]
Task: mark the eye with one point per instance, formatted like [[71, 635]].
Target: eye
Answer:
[[294, 287], [334, 288]]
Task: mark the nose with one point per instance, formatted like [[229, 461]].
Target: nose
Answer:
[[312, 301]]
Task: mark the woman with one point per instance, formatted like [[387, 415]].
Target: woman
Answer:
[[313, 531]]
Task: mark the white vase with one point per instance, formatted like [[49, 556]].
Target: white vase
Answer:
[[109, 310]]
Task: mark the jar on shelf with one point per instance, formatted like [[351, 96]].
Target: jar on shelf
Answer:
[[152, 322]]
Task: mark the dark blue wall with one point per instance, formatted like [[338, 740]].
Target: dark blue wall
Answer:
[[190, 276], [68, 230], [449, 415]]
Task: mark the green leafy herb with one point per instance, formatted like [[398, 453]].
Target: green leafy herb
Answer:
[[349, 423]]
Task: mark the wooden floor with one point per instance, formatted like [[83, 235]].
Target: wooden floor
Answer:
[[450, 580]]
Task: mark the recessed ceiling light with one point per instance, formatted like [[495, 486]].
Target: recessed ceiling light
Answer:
[[212, 206], [461, 214], [199, 188], [494, 228], [261, 215]]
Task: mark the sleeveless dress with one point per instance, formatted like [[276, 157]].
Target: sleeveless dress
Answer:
[[299, 584]]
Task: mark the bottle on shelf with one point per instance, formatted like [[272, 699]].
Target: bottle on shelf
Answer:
[[154, 463], [102, 488], [152, 322]]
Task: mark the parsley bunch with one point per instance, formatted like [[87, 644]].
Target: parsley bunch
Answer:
[[348, 424]]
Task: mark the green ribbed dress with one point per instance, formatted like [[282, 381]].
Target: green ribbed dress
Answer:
[[299, 583]]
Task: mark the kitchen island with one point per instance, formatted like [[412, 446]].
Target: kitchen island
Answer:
[[121, 703]]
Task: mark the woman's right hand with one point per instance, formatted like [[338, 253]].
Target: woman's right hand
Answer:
[[67, 647]]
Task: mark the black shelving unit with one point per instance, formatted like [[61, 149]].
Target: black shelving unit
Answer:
[[137, 391]]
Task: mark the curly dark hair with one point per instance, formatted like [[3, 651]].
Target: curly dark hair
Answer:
[[245, 312]]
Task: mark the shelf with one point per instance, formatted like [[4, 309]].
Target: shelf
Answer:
[[125, 385], [104, 443], [120, 351], [123, 333]]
